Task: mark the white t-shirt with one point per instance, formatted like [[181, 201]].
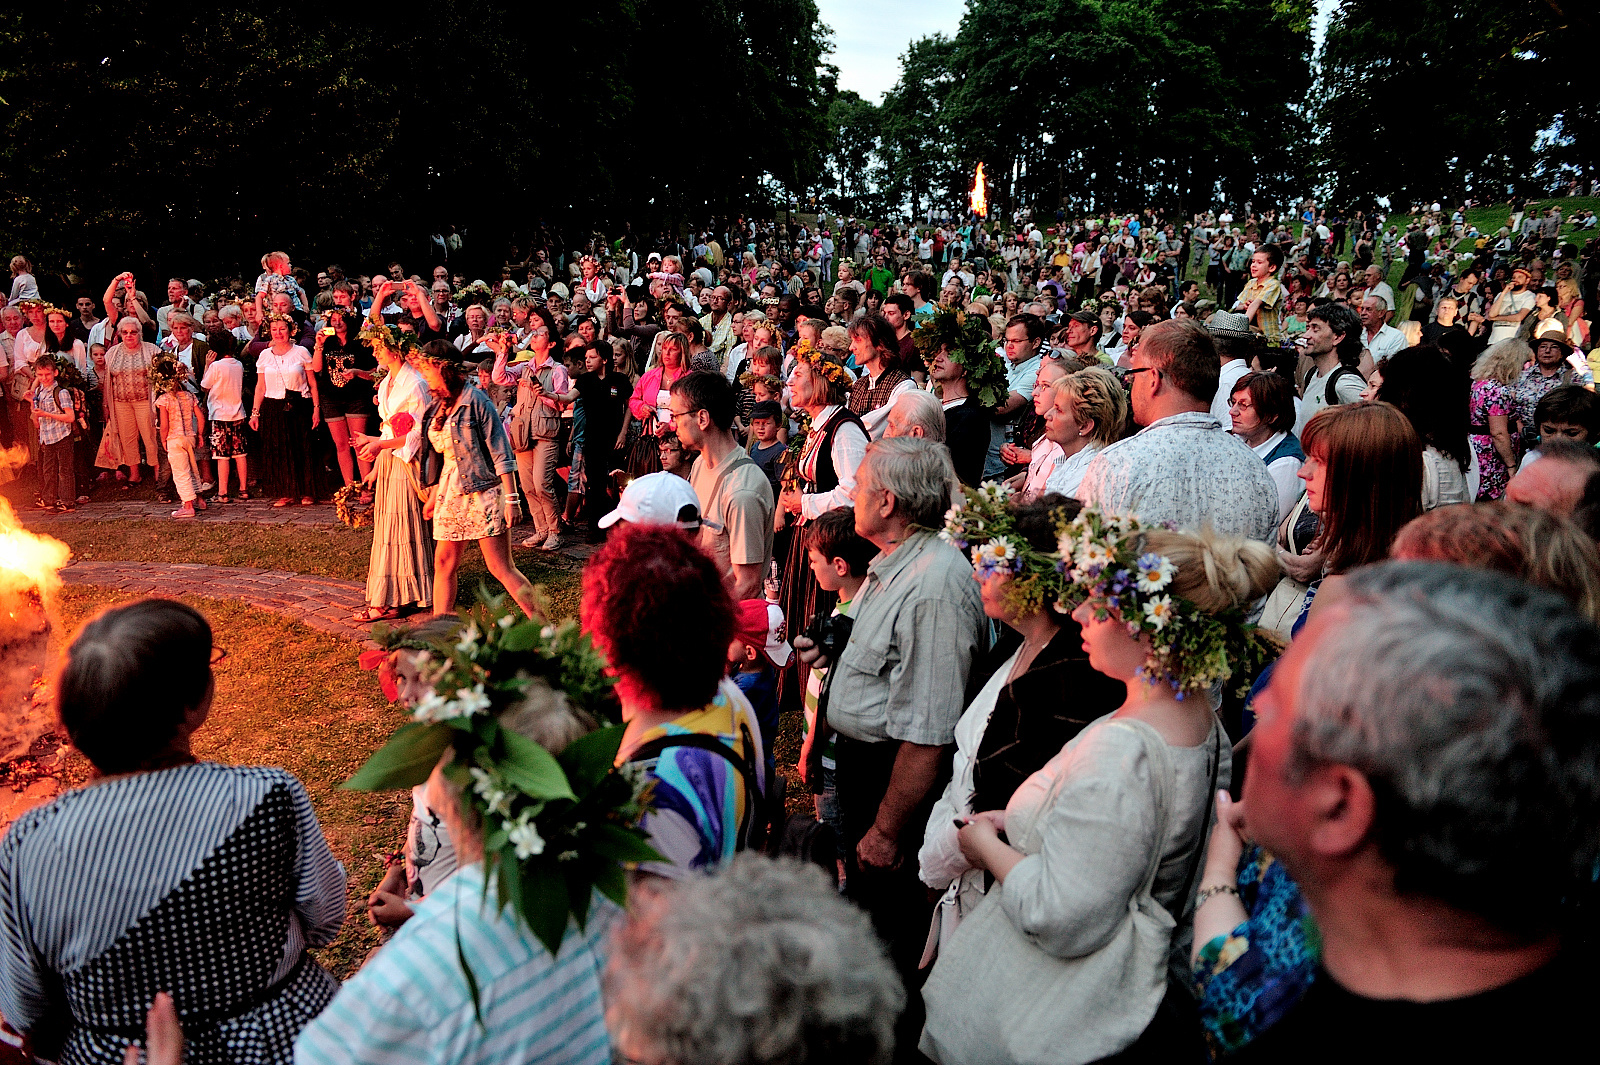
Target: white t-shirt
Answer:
[[281, 374], [224, 385]]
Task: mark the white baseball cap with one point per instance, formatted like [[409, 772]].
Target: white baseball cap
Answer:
[[658, 499]]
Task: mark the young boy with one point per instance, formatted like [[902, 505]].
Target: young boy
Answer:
[[838, 558], [182, 422], [1569, 412], [766, 450], [755, 655], [224, 387], [51, 409]]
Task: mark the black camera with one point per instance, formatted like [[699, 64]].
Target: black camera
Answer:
[[830, 632]]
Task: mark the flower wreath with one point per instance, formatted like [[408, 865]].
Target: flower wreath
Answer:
[[971, 346], [1104, 559], [824, 363], [555, 826], [390, 338], [166, 373], [982, 523], [347, 504], [268, 319], [473, 293]]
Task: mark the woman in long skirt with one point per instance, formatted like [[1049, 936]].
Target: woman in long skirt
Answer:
[[400, 571], [286, 414]]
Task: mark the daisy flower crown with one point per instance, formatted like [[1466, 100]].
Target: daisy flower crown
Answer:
[[1105, 560], [556, 826], [983, 525]]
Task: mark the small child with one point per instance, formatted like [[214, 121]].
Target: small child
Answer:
[[53, 415], [838, 559], [224, 385], [755, 655], [182, 422], [766, 450]]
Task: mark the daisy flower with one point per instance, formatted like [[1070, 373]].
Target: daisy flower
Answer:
[[1155, 573], [1159, 611]]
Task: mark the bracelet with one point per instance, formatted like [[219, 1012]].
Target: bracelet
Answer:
[[1207, 893]]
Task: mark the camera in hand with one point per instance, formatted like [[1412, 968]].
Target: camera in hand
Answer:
[[830, 632]]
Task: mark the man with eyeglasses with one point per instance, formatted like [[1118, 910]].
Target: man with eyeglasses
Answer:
[[736, 500], [1182, 467]]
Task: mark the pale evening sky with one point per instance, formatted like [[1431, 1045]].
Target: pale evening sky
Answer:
[[870, 36]]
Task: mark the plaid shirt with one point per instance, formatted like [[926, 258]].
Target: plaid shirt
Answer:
[[56, 399]]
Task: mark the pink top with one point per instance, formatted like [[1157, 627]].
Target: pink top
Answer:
[[647, 393]]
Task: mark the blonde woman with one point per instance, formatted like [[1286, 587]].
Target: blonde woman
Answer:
[[1490, 410], [1089, 412]]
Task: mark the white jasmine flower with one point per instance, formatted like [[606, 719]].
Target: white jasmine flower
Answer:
[[525, 837], [431, 707], [470, 702], [507, 621], [469, 637]]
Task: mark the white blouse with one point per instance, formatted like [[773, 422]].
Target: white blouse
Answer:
[[281, 374], [1068, 475]]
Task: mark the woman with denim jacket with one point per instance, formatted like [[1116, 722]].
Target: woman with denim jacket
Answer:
[[475, 497]]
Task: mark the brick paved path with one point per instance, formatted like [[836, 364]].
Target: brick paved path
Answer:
[[255, 512], [323, 603]]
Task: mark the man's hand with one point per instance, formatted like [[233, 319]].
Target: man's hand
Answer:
[[877, 850], [806, 650]]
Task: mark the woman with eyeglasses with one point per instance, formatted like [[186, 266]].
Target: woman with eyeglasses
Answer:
[[164, 872]]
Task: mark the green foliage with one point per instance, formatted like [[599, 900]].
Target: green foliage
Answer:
[[1101, 103], [406, 760], [182, 137], [1466, 90]]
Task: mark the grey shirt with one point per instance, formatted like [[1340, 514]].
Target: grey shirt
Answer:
[[1186, 470], [919, 623]]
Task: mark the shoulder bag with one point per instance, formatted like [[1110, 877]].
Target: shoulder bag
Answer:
[[994, 998]]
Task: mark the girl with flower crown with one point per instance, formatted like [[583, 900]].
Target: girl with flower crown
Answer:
[[1066, 959]]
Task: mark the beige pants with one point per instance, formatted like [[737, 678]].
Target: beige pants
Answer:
[[185, 472], [135, 422], [537, 470]]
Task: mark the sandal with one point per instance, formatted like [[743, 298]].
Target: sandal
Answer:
[[306, 501], [221, 499], [370, 614], [280, 502], [244, 497]]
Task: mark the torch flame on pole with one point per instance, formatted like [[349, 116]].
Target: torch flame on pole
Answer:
[[979, 201]]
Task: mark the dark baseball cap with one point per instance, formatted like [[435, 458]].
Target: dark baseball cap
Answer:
[[1086, 317], [767, 409]]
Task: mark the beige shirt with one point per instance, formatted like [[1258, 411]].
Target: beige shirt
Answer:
[[737, 497]]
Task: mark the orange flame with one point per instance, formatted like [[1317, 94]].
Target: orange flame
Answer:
[[26, 560], [978, 200]]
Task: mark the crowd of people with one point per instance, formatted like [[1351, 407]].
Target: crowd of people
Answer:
[[1191, 634]]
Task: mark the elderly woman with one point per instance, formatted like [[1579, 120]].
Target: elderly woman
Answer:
[[784, 970], [671, 681], [1088, 412], [130, 402], [285, 412], [164, 873]]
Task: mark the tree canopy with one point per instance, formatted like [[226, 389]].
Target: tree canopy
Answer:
[[178, 133]]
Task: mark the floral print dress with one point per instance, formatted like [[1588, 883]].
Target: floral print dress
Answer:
[[1490, 399], [457, 514]]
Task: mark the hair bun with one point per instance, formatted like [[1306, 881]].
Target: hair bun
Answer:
[[1217, 572]]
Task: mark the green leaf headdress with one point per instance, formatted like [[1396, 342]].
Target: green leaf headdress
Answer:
[[556, 826], [970, 344]]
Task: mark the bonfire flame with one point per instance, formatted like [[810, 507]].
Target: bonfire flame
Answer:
[[977, 198], [29, 580]]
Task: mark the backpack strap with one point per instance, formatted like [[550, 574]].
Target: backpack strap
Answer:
[[1329, 394], [746, 768]]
